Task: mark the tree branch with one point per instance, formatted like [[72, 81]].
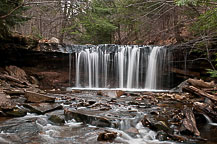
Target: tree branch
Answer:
[[5, 16]]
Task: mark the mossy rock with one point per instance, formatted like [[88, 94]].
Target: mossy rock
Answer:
[[16, 112], [56, 119]]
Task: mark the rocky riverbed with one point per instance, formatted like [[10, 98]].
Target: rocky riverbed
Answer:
[[31, 115]]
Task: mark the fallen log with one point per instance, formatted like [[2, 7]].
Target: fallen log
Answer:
[[199, 92], [189, 123], [205, 108], [201, 84]]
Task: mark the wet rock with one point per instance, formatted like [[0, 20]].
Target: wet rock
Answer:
[[132, 131], [161, 125], [107, 136], [155, 125], [36, 97], [162, 136], [178, 138], [87, 117], [23, 131], [76, 91], [111, 93], [8, 97], [42, 108], [91, 102], [147, 122], [57, 119], [5, 103], [154, 112], [54, 40], [16, 112], [14, 92]]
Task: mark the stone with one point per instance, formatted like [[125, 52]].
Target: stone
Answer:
[[42, 108], [111, 93], [57, 119], [54, 40], [132, 131], [5, 103], [162, 136], [14, 92], [161, 125], [16, 72], [24, 130], [155, 125], [87, 117], [107, 136], [16, 112], [36, 97], [8, 97]]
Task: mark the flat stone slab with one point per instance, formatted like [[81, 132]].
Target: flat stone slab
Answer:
[[103, 118], [111, 93], [37, 98], [42, 108]]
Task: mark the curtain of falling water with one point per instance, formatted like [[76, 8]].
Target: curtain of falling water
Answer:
[[119, 66], [151, 76]]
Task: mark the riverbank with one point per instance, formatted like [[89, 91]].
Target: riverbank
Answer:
[[78, 116]]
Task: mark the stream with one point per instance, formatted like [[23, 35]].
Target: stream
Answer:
[[122, 115]]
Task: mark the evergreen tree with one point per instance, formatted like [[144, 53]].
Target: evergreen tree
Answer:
[[96, 23], [10, 15]]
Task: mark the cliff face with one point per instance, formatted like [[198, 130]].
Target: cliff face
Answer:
[[49, 63]]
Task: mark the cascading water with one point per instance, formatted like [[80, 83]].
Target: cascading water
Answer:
[[151, 76], [119, 66]]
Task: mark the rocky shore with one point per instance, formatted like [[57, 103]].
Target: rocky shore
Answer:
[[177, 116]]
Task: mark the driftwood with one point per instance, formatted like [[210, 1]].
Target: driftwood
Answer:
[[201, 93], [201, 84], [189, 123], [207, 109]]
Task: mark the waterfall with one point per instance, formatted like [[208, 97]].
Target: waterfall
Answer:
[[151, 76], [120, 66]]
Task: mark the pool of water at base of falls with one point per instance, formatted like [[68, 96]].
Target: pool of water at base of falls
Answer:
[[37, 129], [112, 89]]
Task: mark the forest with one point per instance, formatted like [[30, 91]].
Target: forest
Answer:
[[108, 71], [155, 22]]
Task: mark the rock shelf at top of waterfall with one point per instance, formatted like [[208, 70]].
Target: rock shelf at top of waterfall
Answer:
[[121, 66]]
